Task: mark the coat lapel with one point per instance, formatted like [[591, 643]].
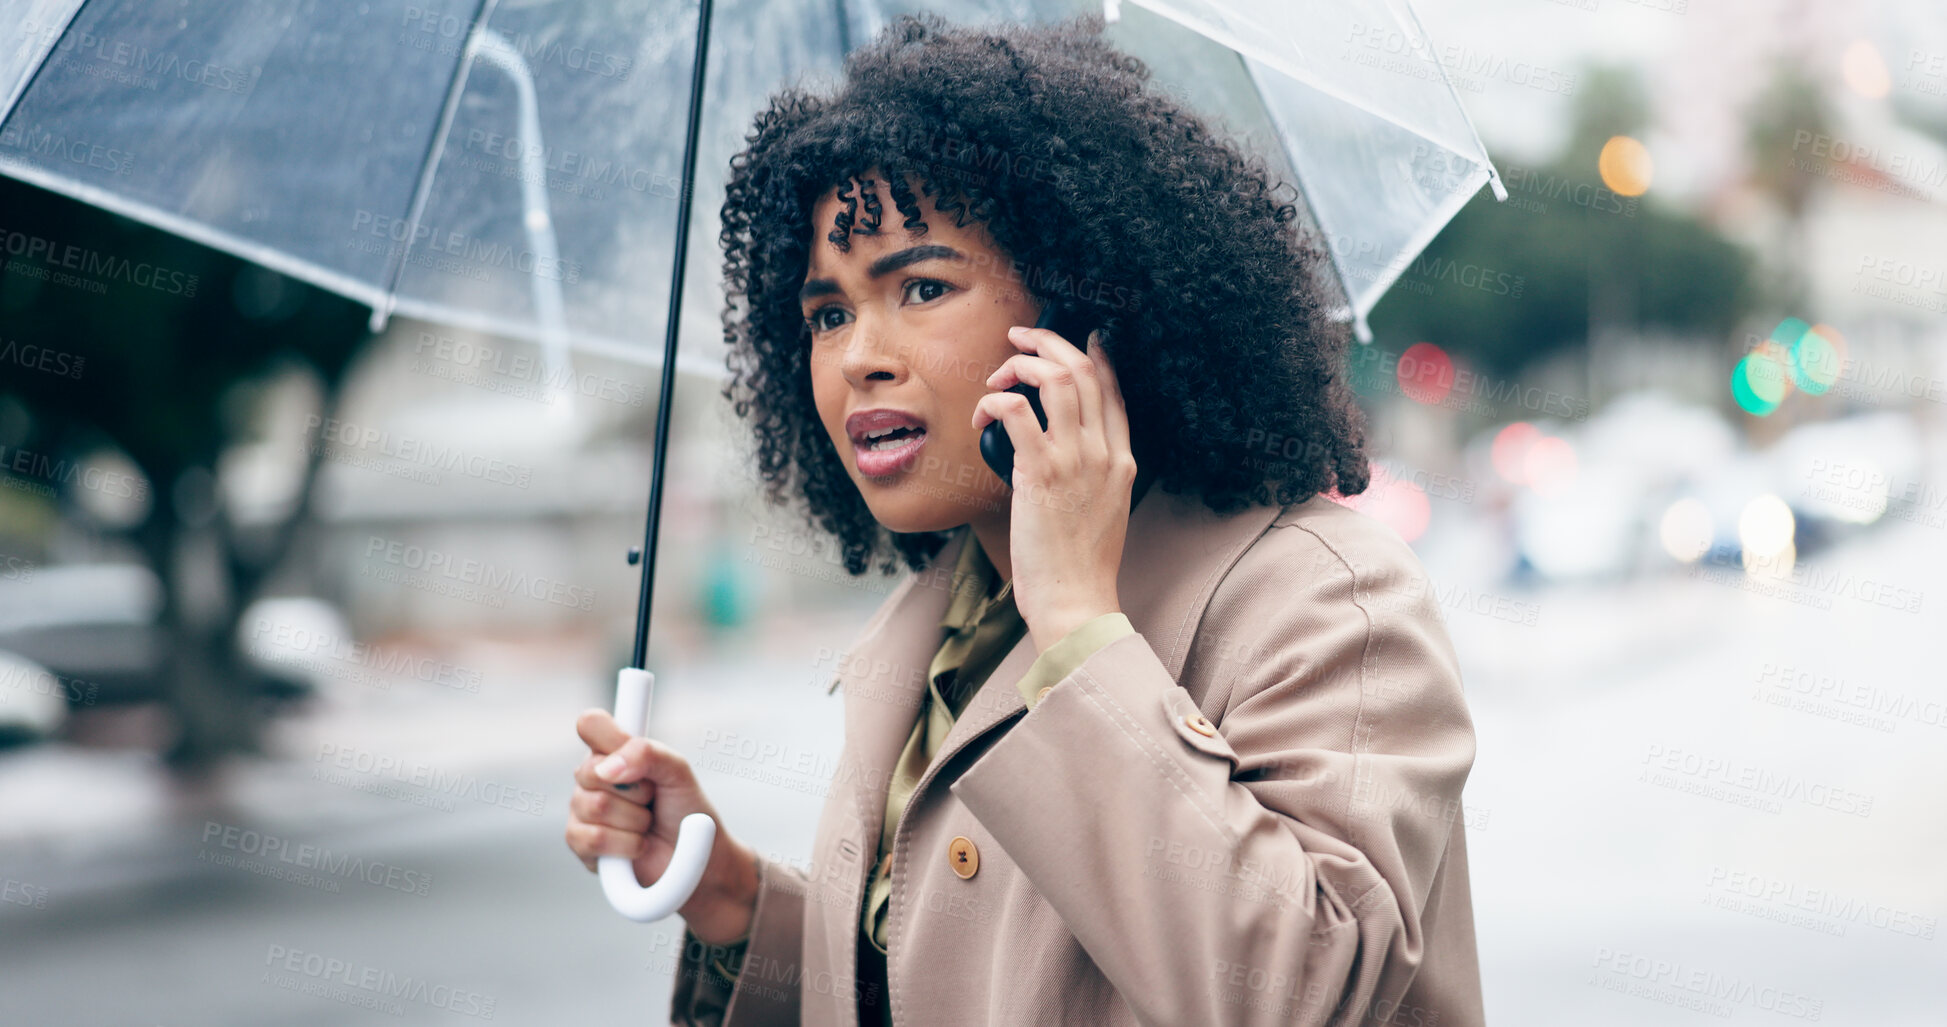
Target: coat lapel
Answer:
[[1176, 552], [883, 677]]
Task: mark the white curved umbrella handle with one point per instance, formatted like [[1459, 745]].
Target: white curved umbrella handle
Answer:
[[693, 839]]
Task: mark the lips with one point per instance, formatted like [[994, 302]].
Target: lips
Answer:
[[885, 441], [877, 421]]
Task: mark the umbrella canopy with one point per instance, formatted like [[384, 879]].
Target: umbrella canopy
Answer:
[[521, 167], [530, 191], [1366, 116]]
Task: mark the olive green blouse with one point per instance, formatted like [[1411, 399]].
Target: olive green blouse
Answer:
[[980, 626]]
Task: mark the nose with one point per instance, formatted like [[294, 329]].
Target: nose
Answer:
[[871, 353]]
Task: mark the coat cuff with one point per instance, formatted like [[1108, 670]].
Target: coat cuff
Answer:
[[752, 980], [1060, 660]]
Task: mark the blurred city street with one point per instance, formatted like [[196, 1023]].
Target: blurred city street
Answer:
[[1572, 869], [159, 889]]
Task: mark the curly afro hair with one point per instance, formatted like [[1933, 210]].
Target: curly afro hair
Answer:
[[1103, 191]]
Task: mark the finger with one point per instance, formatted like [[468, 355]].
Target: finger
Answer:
[[1115, 413], [1005, 376], [597, 728], [590, 841], [1059, 397], [645, 759], [609, 810], [1045, 341], [1088, 392], [983, 416], [641, 793], [1012, 411]]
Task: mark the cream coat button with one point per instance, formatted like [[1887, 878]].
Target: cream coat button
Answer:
[[1201, 725], [962, 856], [1042, 696]]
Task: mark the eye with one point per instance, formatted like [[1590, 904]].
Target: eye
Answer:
[[817, 320], [925, 290]]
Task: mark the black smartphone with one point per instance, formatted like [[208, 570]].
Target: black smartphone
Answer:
[[1069, 320]]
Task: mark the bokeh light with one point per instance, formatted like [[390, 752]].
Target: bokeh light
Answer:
[[1787, 331], [1778, 566], [1510, 451], [1625, 166], [1401, 504], [1425, 373], [1686, 530], [1764, 532], [1864, 70], [1817, 359], [1759, 380], [1550, 465], [1814, 363]]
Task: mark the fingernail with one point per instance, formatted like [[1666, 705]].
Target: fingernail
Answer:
[[1016, 330], [611, 768]]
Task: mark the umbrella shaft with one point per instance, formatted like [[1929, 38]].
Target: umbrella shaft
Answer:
[[674, 320]]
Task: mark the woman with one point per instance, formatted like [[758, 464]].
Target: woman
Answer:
[[1154, 733]]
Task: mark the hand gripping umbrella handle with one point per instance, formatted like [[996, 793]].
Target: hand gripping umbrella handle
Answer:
[[693, 839]]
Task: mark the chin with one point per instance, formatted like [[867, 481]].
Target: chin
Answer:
[[911, 513]]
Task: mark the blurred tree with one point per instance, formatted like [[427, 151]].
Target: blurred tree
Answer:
[[1609, 101], [1791, 103], [172, 336], [1508, 284]]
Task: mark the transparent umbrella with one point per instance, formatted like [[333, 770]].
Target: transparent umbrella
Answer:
[[528, 168], [1366, 116], [513, 167]]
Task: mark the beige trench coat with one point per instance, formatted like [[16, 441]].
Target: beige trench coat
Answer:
[[1247, 812]]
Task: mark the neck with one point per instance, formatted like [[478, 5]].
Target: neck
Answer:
[[992, 533]]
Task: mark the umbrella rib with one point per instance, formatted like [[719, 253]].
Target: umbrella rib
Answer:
[[1359, 301], [1292, 71], [1284, 133], [1415, 245], [336, 281], [1493, 176], [195, 231], [435, 147], [27, 81]]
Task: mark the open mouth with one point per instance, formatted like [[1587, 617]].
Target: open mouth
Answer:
[[890, 438], [888, 452], [885, 440]]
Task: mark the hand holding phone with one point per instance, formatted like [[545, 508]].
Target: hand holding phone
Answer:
[[1071, 322]]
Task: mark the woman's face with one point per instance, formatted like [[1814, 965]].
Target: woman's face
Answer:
[[912, 324]]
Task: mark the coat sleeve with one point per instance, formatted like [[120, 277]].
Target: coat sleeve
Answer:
[[1271, 862], [1068, 652], [762, 987]]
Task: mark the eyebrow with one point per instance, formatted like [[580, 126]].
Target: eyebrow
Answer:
[[816, 287]]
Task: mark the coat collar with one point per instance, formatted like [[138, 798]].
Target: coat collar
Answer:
[[1175, 552]]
